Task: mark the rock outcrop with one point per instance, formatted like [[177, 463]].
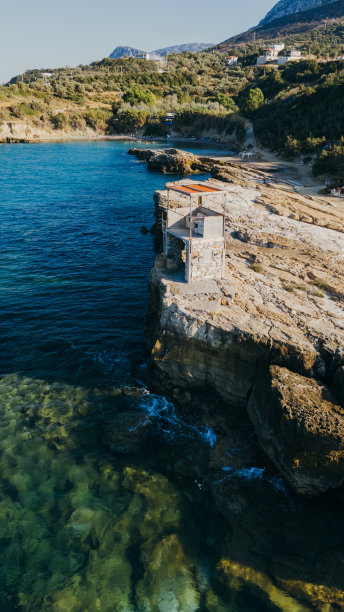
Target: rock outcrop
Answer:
[[300, 426], [172, 161], [279, 304], [29, 131], [289, 7]]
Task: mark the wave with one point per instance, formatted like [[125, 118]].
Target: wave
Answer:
[[170, 424], [252, 473]]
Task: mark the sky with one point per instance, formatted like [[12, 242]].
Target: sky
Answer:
[[51, 34]]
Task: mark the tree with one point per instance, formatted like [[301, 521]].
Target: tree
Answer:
[[227, 102], [252, 101]]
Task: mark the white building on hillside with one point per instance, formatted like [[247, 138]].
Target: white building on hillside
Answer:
[[292, 56], [143, 56], [279, 47], [232, 60], [270, 55]]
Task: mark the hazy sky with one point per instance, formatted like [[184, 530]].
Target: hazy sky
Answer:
[[48, 34]]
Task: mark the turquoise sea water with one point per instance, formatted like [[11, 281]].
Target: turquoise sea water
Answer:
[[83, 528]]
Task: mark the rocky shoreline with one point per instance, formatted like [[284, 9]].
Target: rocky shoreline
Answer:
[[272, 328]]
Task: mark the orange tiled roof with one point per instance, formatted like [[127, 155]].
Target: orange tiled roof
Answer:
[[195, 188]]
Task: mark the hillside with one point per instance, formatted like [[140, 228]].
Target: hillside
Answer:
[[124, 96]]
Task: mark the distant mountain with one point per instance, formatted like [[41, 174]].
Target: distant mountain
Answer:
[[289, 7], [191, 47], [289, 25], [120, 52]]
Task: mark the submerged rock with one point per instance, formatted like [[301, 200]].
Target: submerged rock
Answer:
[[128, 432], [301, 428], [168, 583]]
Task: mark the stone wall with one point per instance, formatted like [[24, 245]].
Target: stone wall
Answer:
[[207, 260]]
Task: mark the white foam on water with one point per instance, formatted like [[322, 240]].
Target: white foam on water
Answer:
[[252, 473], [210, 436], [170, 423], [278, 484]]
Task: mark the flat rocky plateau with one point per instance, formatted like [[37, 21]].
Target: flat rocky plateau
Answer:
[[279, 304]]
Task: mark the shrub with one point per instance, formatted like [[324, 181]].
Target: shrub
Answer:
[[227, 102], [331, 161], [256, 268], [129, 121], [155, 128], [25, 109], [59, 121], [97, 118], [78, 123]]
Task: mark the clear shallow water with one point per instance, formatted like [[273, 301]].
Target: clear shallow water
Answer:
[[83, 529]]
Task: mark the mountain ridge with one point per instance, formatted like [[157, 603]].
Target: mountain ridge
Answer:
[[126, 51], [289, 7], [190, 47], [288, 25]]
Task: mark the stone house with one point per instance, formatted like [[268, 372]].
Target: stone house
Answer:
[[193, 235]]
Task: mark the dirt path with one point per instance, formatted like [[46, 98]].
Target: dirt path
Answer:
[[297, 174]]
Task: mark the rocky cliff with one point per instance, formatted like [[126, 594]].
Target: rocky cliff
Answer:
[[30, 131], [279, 29], [268, 337], [289, 7]]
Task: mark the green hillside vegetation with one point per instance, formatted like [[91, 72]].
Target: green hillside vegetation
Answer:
[[123, 96], [300, 112], [295, 109]]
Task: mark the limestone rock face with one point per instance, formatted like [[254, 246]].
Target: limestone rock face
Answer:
[[28, 131], [301, 428], [200, 351], [289, 7]]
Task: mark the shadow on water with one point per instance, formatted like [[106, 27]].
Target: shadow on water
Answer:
[[84, 527]]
